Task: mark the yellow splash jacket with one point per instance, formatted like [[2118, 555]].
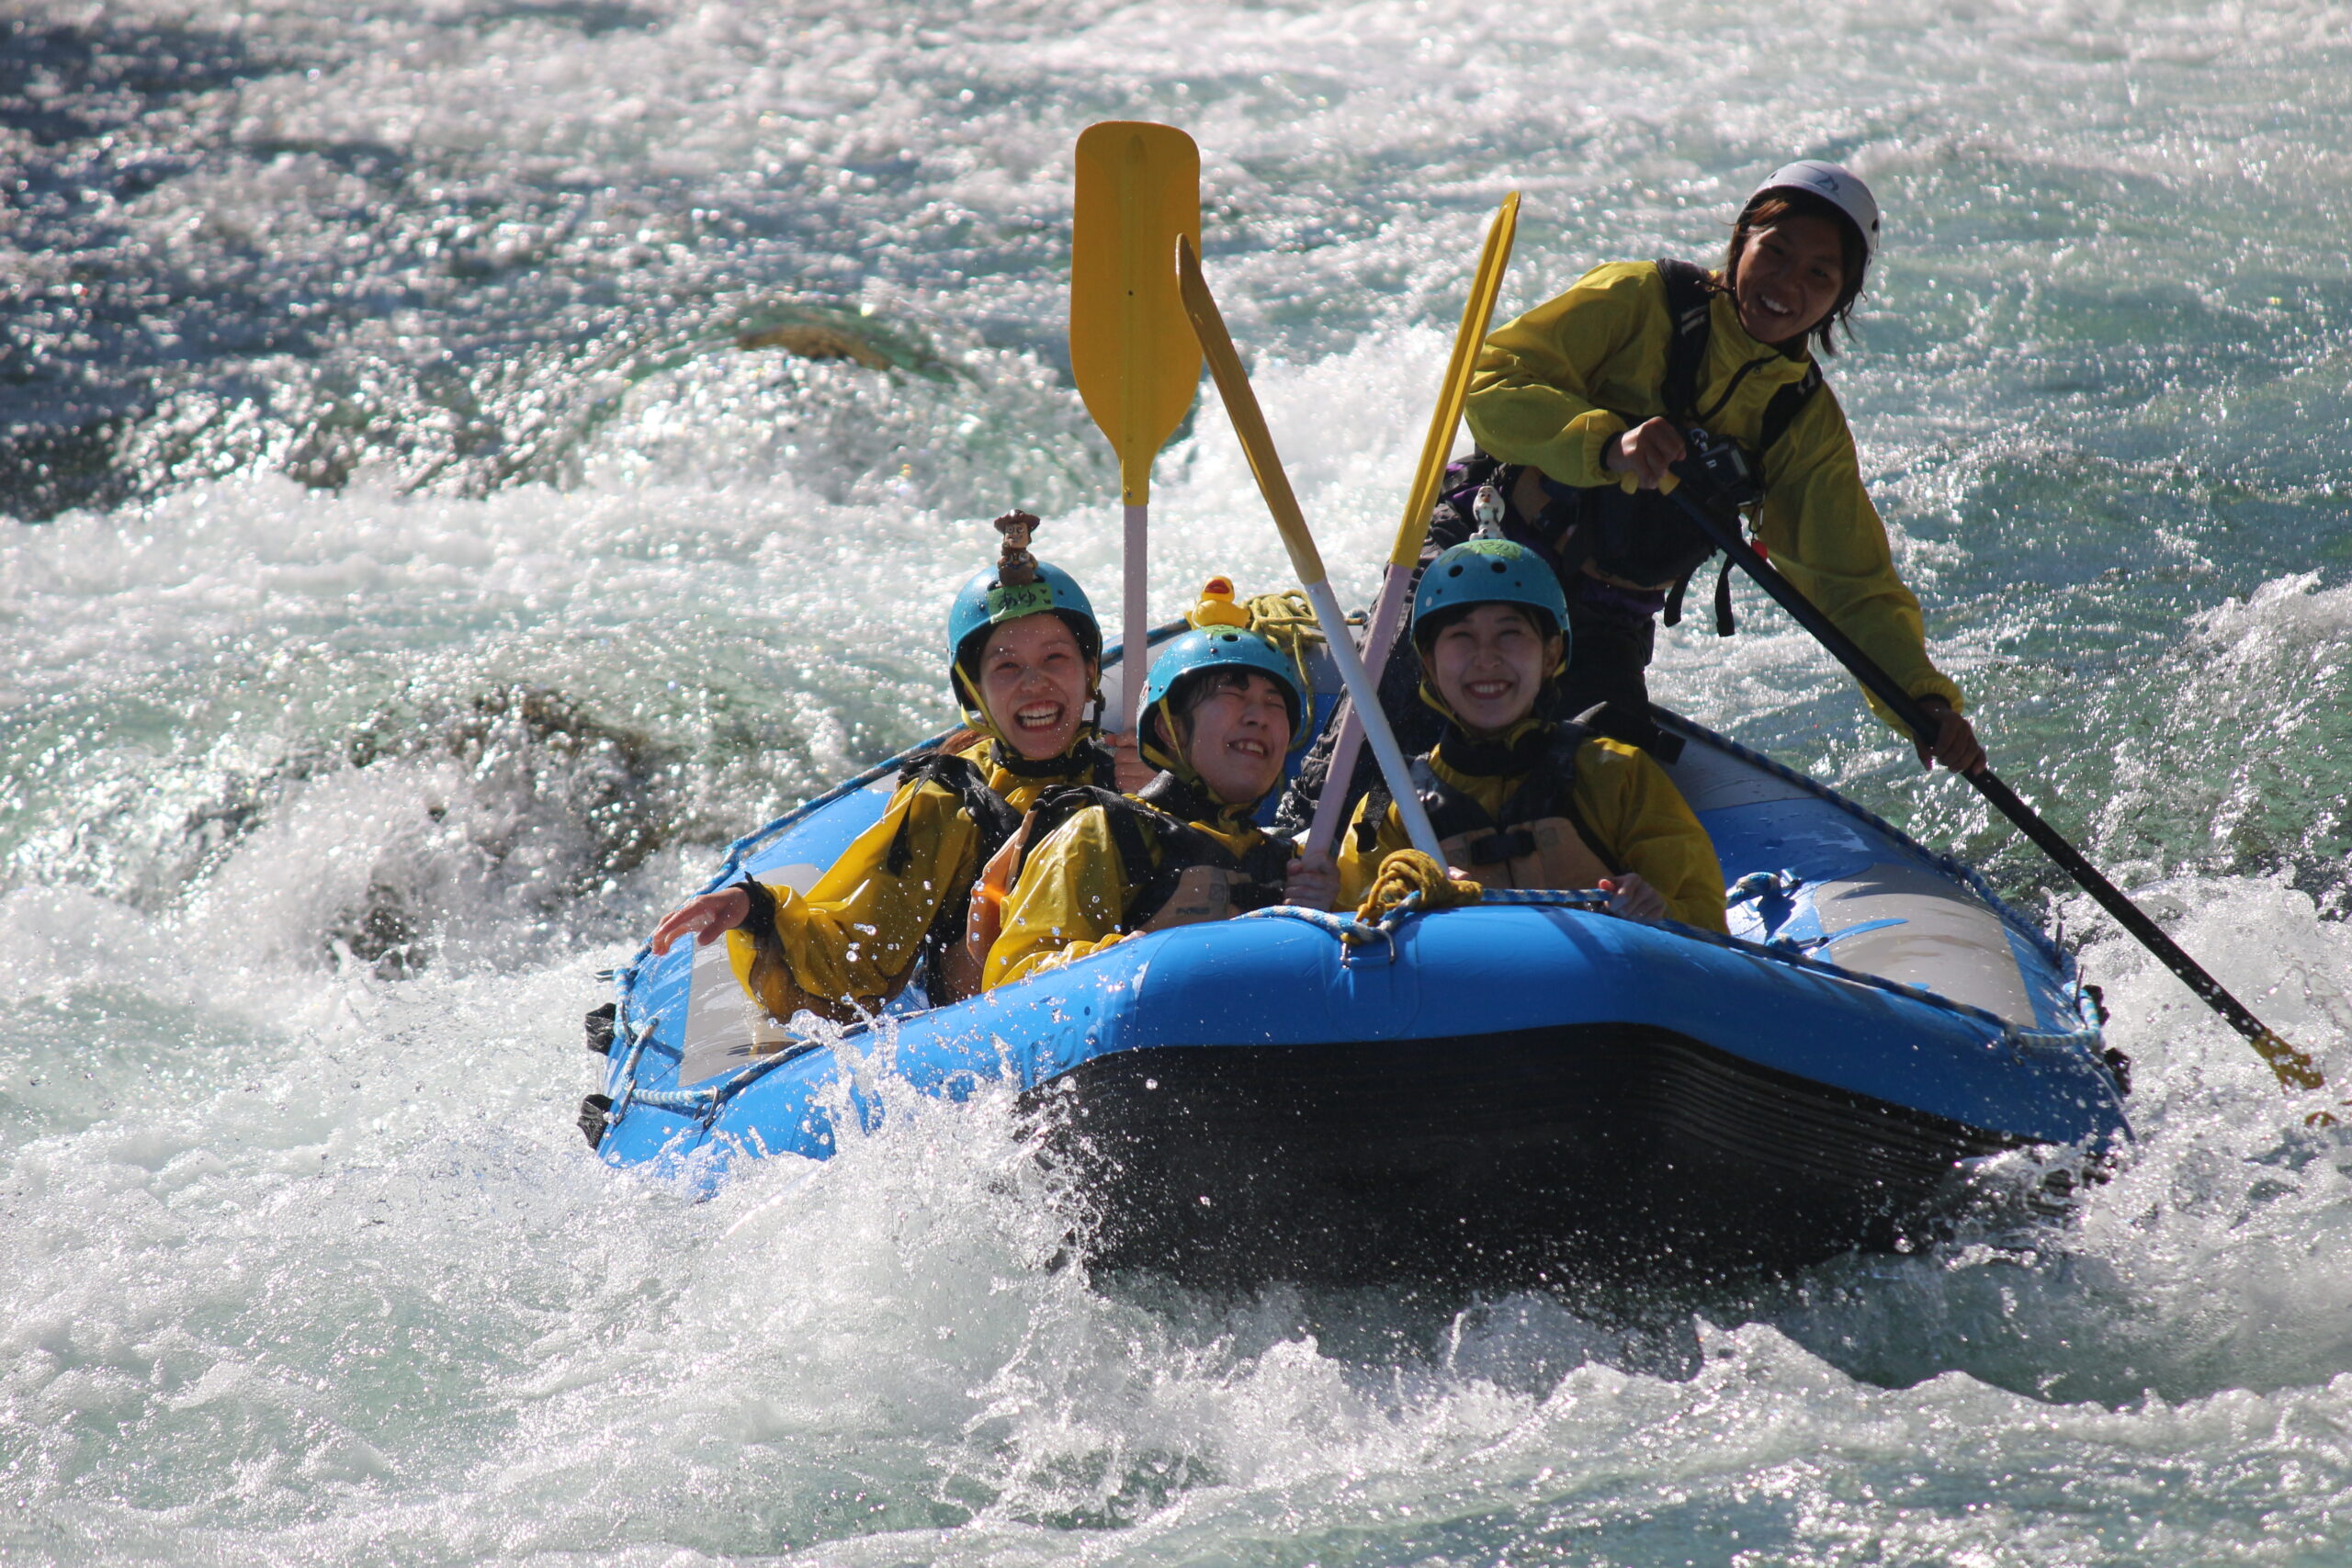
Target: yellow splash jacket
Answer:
[[1167, 857], [1554, 387], [1635, 818], [852, 941]]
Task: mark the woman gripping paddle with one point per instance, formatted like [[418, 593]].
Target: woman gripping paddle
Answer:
[[1583, 405]]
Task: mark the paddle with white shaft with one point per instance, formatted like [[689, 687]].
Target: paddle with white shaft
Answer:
[[1130, 351], [1388, 611], [1258, 444]]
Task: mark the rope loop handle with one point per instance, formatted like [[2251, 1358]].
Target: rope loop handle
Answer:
[[1409, 879]]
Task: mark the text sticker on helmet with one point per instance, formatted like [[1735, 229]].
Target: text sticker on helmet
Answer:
[[1021, 599], [1503, 548]]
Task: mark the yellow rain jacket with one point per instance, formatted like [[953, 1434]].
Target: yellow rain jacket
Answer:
[[853, 939], [1640, 818], [1557, 386], [1071, 896]]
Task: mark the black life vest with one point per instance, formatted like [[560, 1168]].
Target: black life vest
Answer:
[[1254, 880], [1643, 536], [1539, 839], [992, 817]]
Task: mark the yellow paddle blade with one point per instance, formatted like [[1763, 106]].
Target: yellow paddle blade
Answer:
[[1249, 422], [1138, 367], [1478, 313]]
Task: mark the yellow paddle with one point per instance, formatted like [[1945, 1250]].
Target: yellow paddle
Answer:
[[1477, 312], [1258, 444], [1137, 365]]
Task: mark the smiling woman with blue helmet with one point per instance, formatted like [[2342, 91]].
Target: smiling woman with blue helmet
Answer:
[[1581, 405], [1223, 710], [1025, 656], [1518, 800]]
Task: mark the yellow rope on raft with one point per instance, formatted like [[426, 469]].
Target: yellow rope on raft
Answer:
[[1405, 873]]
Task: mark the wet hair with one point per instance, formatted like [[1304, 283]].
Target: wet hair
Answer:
[[1767, 207], [1197, 688]]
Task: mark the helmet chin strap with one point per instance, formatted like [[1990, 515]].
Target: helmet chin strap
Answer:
[[1154, 725], [976, 712]]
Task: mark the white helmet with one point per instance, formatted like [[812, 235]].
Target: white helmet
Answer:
[[1835, 185]]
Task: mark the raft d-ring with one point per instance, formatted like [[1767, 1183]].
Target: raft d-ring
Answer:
[[1351, 942]]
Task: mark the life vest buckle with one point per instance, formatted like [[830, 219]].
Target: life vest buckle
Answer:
[[1496, 848]]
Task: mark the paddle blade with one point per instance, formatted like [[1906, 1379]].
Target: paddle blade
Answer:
[[2295, 1070], [1477, 314], [1130, 348]]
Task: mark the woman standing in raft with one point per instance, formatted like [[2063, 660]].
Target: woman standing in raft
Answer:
[[1026, 660], [1585, 402], [1517, 799], [1220, 709]]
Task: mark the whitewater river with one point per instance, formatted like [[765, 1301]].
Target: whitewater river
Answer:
[[408, 584]]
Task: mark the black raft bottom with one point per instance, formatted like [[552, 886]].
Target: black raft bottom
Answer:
[[1592, 1154]]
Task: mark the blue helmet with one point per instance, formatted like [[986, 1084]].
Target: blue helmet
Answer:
[[1487, 572], [982, 604], [1206, 649]]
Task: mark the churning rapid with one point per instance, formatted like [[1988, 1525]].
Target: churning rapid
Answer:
[[469, 458]]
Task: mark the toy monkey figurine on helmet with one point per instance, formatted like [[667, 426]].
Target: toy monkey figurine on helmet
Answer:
[[1019, 585]]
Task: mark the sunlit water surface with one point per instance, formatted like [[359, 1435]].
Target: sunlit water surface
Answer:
[[414, 583]]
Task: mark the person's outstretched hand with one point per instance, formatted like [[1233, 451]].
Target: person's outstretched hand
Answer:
[[1956, 746], [709, 917]]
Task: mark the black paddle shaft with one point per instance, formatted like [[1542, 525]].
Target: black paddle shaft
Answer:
[[2295, 1069]]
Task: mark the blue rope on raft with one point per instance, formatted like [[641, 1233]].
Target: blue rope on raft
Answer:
[[703, 1104], [1348, 928], [1551, 897]]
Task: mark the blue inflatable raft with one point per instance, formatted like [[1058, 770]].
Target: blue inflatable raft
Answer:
[[1508, 1094]]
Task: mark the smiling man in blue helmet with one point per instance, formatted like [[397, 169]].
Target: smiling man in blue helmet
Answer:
[[1582, 405], [1222, 708], [1518, 800], [1025, 661]]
